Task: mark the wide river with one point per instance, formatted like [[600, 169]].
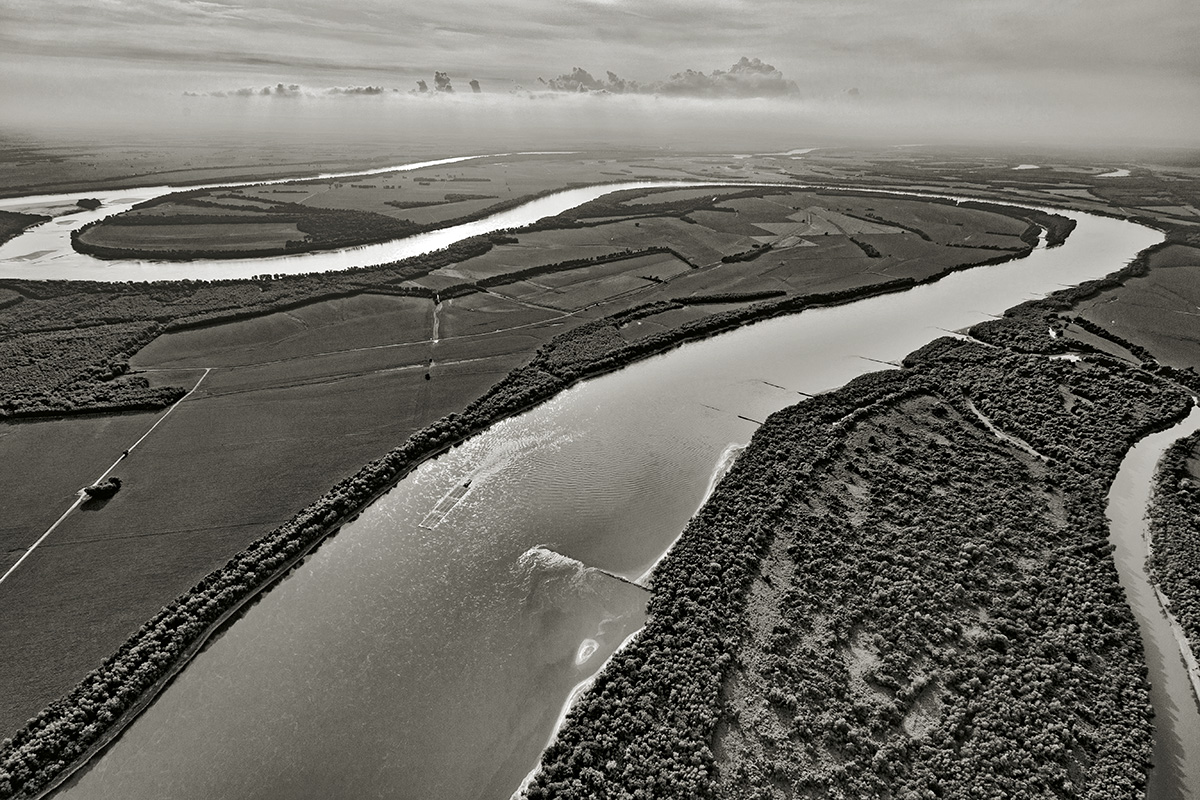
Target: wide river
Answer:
[[427, 650]]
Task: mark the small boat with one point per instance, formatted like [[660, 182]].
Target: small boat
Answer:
[[104, 489]]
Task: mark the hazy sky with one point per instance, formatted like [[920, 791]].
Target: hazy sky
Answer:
[[1071, 68]]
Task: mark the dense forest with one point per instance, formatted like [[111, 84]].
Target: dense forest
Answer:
[[1175, 535], [884, 600], [12, 223]]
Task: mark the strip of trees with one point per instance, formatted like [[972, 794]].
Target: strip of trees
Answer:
[[1175, 535], [13, 222]]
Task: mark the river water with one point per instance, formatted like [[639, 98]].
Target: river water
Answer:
[[1176, 771], [44, 252], [426, 651]]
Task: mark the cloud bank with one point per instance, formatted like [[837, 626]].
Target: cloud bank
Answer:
[[749, 77], [294, 90]]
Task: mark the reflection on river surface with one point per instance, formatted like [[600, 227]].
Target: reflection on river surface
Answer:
[[411, 661]]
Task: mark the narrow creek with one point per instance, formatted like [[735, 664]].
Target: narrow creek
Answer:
[[1175, 774]]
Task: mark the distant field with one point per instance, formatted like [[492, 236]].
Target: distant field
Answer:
[[674, 195], [573, 289], [479, 315], [429, 196], [533, 250], [367, 320], [153, 238]]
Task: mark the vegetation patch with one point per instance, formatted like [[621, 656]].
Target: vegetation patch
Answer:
[[880, 597], [65, 348], [1175, 534], [12, 223], [189, 235]]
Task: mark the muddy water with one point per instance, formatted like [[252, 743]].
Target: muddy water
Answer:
[[1176, 771]]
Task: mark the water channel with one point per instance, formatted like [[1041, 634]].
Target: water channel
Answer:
[[1176, 771], [44, 252], [426, 651]]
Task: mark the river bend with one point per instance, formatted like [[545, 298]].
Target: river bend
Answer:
[[427, 650]]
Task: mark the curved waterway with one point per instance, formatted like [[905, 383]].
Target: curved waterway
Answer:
[[44, 252], [427, 650], [1175, 774]]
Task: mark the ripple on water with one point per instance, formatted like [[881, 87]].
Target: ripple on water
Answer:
[[587, 649]]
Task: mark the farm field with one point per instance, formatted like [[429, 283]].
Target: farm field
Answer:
[[230, 464], [366, 209], [437, 195], [52, 461], [37, 167], [367, 320], [1160, 310], [252, 235]]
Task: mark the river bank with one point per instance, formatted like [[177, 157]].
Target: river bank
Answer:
[[934, 643], [340, 504], [1170, 539], [1135, 508]]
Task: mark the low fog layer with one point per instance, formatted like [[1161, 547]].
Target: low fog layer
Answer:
[[526, 120], [748, 78], [1001, 71]]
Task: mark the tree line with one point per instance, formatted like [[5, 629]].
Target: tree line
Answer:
[[1175, 535], [1047, 694]]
